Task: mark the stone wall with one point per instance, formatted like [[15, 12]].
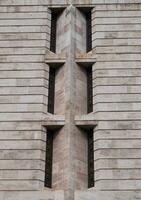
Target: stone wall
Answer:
[[117, 81], [24, 70], [24, 35]]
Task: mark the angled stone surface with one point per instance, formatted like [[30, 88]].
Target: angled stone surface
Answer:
[[25, 62]]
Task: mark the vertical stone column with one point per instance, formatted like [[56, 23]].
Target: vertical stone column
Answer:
[[70, 143], [76, 138], [70, 100]]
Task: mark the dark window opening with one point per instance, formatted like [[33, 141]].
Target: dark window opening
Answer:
[[51, 90], [90, 158], [53, 32], [89, 90], [88, 31], [49, 158], [55, 13]]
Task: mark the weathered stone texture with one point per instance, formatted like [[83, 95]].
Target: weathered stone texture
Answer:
[[24, 72], [24, 35], [116, 40]]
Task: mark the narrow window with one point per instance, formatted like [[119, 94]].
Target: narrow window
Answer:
[[49, 157], [51, 90], [53, 32], [89, 90], [90, 159], [88, 31]]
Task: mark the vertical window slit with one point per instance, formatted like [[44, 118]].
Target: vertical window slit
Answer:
[[49, 158], [89, 90], [53, 32], [51, 90], [88, 31], [90, 158]]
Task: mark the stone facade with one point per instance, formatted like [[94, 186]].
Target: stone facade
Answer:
[[25, 61]]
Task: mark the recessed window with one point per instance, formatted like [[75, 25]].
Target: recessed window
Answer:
[[87, 11], [90, 158], [49, 158], [53, 31], [51, 90], [89, 90], [55, 13], [88, 31]]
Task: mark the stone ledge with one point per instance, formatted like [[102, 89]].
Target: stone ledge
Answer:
[[85, 121], [54, 121], [58, 121], [54, 60], [86, 59]]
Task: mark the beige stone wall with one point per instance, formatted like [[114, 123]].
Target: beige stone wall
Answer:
[[24, 35], [116, 96], [24, 41]]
